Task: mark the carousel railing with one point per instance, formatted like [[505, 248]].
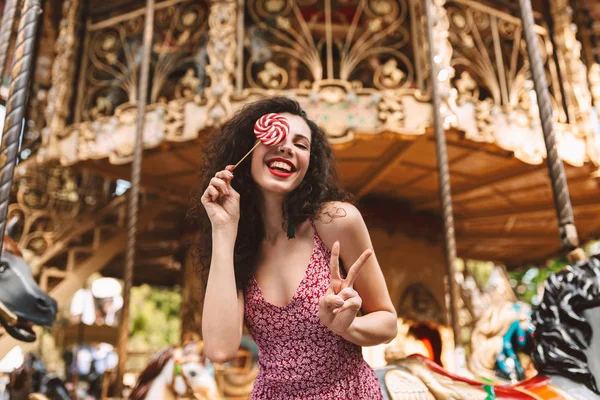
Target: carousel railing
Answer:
[[112, 54], [288, 45], [207, 58], [280, 45], [284, 45]]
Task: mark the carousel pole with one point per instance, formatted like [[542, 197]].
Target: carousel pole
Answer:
[[136, 169], [16, 103], [10, 9], [558, 179], [444, 183]]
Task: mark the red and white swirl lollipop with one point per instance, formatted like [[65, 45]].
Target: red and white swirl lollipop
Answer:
[[270, 129]]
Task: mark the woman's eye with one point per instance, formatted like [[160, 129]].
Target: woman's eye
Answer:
[[302, 146]]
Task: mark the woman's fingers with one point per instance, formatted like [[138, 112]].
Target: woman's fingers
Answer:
[[353, 303], [210, 194], [333, 301], [335, 262], [346, 299], [221, 185], [347, 293], [226, 175], [355, 268]]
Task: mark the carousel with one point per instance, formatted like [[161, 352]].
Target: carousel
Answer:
[[457, 125]]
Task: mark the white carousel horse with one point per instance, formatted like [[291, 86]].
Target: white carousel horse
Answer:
[[495, 344], [175, 373]]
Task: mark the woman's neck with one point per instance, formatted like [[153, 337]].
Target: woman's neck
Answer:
[[272, 216]]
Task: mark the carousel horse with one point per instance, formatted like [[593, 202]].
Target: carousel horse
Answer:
[[22, 302], [566, 349], [565, 352], [176, 373], [559, 337], [500, 338], [418, 378]]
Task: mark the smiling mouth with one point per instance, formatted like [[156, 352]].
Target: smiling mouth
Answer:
[[281, 167]]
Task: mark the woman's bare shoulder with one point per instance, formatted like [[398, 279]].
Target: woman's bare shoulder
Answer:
[[337, 212], [338, 218]]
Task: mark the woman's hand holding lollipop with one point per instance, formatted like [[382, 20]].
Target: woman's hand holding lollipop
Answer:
[[221, 201]]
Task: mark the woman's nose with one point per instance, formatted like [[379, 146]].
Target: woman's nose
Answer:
[[285, 148]]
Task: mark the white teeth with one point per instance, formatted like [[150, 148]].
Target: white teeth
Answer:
[[280, 165]]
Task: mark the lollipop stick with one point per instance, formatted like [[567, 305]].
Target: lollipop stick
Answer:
[[247, 154]]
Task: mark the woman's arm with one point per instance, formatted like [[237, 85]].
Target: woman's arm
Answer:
[[223, 311], [378, 321]]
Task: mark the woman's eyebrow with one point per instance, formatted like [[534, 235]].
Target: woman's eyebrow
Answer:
[[296, 135]]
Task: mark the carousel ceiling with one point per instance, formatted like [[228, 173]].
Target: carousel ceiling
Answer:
[[503, 207]]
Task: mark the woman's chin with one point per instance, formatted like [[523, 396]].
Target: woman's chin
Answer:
[[277, 187]]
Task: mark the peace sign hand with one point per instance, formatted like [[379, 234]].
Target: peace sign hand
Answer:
[[340, 304]]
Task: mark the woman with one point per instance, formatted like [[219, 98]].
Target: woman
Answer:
[[278, 226]]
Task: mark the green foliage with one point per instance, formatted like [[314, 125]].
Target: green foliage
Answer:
[[154, 321], [529, 283], [480, 271]]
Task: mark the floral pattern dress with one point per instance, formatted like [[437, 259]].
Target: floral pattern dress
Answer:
[[299, 358]]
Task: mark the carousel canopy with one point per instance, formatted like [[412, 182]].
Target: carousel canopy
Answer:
[[373, 101], [376, 111]]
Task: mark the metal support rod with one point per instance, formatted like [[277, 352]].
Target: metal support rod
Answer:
[[16, 104], [133, 199], [558, 179], [8, 18], [444, 177]]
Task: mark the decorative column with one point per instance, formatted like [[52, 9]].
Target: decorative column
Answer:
[[222, 48], [440, 32], [437, 34], [574, 73], [63, 78]]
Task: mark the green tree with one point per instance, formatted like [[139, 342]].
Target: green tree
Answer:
[[529, 282], [154, 321]]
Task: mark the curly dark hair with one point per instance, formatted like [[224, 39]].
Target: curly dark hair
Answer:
[[228, 146]]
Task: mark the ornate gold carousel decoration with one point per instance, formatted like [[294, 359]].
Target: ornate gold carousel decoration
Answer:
[[362, 70]]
